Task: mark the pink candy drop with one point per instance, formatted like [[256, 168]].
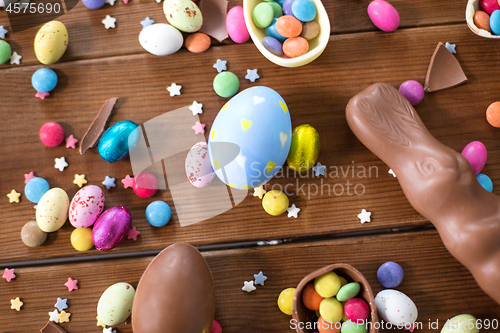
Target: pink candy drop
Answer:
[[475, 153]]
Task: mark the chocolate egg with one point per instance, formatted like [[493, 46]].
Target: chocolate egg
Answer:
[[86, 206], [175, 294], [304, 149], [111, 228]]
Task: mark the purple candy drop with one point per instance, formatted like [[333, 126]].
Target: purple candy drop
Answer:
[[287, 7], [475, 152], [413, 91], [272, 45]]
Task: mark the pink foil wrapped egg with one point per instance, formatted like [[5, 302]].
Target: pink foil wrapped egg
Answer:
[[111, 228], [383, 15], [475, 152], [198, 167], [86, 206]]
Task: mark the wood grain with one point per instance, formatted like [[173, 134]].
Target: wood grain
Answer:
[[316, 94], [440, 287], [89, 38]]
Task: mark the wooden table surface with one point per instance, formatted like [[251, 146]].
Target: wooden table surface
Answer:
[[100, 64]]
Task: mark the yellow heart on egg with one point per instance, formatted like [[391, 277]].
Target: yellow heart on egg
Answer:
[[283, 106], [270, 166], [213, 133], [245, 124]]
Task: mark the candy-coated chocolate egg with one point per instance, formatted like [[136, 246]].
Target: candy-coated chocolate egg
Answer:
[[158, 213], [115, 304], [304, 149], [327, 285], [44, 80], [183, 15], [51, 134], [111, 228], [6, 51], [383, 15], [81, 239], [464, 323], [86, 206], [285, 300], [175, 294], [357, 310], [52, 210], [331, 309], [257, 121], [145, 185], [198, 167], [161, 39], [51, 42], [32, 235], [476, 153], [353, 327], [275, 202], [35, 188], [396, 308], [235, 25], [118, 140]]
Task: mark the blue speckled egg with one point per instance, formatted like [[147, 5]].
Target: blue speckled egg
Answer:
[[257, 122], [118, 140], [35, 188], [44, 80]]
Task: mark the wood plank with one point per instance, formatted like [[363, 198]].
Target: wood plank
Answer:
[[440, 287], [89, 38], [316, 95]]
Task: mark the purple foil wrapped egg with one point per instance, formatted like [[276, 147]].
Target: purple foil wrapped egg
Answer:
[[111, 228]]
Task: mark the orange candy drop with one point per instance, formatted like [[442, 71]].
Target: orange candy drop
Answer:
[[288, 26], [493, 114], [198, 42], [311, 298], [295, 47]]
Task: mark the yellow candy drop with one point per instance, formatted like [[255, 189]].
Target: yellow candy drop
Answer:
[[81, 239], [327, 285], [331, 309], [275, 202], [285, 300]]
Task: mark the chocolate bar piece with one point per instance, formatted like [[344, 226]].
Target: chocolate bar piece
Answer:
[[97, 127]]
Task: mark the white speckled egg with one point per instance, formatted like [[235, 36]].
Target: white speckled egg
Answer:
[[250, 138], [52, 210], [396, 308], [464, 323], [161, 39], [115, 304], [86, 206], [183, 14], [198, 168], [51, 42]]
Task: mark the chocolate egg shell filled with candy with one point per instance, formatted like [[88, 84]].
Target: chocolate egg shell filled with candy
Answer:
[[175, 294], [301, 314]]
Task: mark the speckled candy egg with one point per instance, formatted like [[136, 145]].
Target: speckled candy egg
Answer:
[[256, 121], [86, 206], [464, 323], [198, 167], [52, 210], [161, 39], [116, 142], [51, 42], [396, 308], [115, 304], [111, 228], [183, 14]]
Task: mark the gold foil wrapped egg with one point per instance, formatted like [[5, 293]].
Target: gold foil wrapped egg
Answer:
[[304, 149]]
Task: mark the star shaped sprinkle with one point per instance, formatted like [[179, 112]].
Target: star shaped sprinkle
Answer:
[[125, 1], [111, 2], [16, 304], [259, 191], [293, 211], [3, 31], [79, 180], [196, 108], [174, 90], [61, 304], [60, 163], [158, 1], [451, 47], [71, 142], [108, 330], [14, 196], [54, 316], [128, 181], [109, 182], [248, 286], [133, 233], [9, 274], [147, 22], [220, 65], [99, 322], [109, 22], [252, 75], [319, 169], [260, 278], [199, 128], [71, 284], [364, 216], [41, 95], [28, 176], [15, 58], [63, 316], [392, 173]]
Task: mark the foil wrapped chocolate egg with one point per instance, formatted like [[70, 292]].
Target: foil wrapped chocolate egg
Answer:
[[175, 294], [111, 228], [304, 149], [118, 140]]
